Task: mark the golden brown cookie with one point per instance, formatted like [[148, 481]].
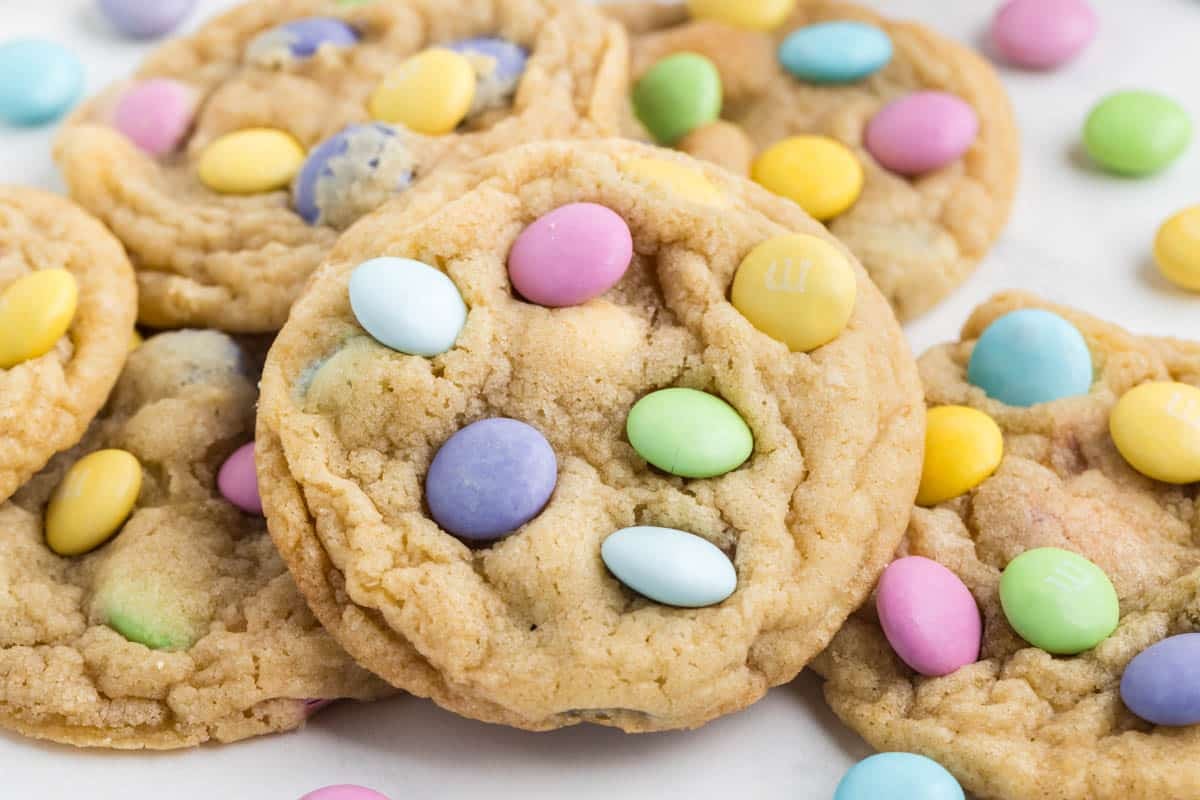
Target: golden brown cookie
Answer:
[[237, 261], [49, 399], [531, 630], [1020, 722], [185, 626]]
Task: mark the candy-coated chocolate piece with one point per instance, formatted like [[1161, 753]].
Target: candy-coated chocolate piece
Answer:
[[570, 255], [680, 93], [430, 93], [352, 173], [490, 478], [36, 311], [671, 178], [921, 132], [344, 791], [238, 482], [1162, 683], [407, 305], [1156, 427], [757, 15], [898, 776], [499, 66], [689, 433], [1043, 34], [819, 174], [1177, 249], [929, 616], [92, 501], [842, 51], [1031, 356], [156, 114], [670, 566], [146, 609], [963, 447], [1136, 133], [300, 39], [39, 81], [144, 19], [1058, 600], [251, 161], [797, 289]]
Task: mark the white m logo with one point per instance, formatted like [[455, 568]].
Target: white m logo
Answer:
[[794, 278], [1069, 577]]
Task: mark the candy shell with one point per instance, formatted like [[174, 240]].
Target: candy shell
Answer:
[[921, 132], [1177, 249], [963, 447], [843, 51], [430, 93], [238, 482], [1136, 133], [143, 19], [929, 616], [570, 255], [36, 310], [1162, 683], [1043, 34], [39, 81], [407, 305], [689, 433], [499, 66], [1029, 357], [300, 39], [92, 501], [898, 776], [344, 792], [670, 178], [1058, 600], [670, 566], [677, 95], [756, 15], [352, 173], [1156, 428], [819, 174], [156, 114], [147, 609], [252, 161]]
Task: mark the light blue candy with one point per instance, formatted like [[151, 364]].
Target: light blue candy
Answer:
[[835, 52], [669, 566], [898, 776], [39, 81], [407, 305], [1029, 357]]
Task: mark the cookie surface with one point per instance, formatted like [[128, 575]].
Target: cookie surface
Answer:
[[49, 400], [1019, 722], [918, 237], [531, 630], [237, 261], [232, 651]]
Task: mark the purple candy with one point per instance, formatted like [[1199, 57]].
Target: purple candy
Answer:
[[1162, 683], [490, 478], [352, 172], [498, 82], [300, 39], [146, 18]]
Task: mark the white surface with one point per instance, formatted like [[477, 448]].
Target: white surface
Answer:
[[1076, 236]]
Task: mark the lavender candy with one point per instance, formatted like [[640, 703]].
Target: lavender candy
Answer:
[[499, 66], [144, 19], [352, 173], [299, 39], [1162, 683]]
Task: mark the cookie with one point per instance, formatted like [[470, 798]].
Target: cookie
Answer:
[[67, 305], [630, 411], [902, 141], [171, 620], [1066, 528], [231, 161]]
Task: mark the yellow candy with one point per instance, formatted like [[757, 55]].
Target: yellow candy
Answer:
[[35, 312], [429, 93], [963, 447], [92, 502], [819, 174], [252, 161], [1177, 249], [671, 178], [798, 289], [758, 15], [1157, 429]]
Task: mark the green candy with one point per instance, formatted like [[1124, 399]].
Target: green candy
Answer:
[[679, 94], [1136, 133], [150, 611], [689, 433], [1058, 600]]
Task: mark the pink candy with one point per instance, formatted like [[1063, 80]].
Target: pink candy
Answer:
[[569, 256], [156, 114], [238, 482], [344, 792], [921, 132], [1042, 34], [929, 616]]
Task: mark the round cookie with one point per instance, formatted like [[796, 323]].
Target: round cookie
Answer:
[[83, 323], [531, 630], [1020, 722], [190, 162], [184, 627], [919, 236]]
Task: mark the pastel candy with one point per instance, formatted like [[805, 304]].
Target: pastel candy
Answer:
[[921, 132], [1058, 600], [670, 178], [1177, 249], [490, 478], [300, 39], [929, 616], [407, 305], [1156, 428], [252, 161], [352, 173], [92, 501], [1029, 357], [499, 66], [817, 173], [758, 15], [570, 255], [344, 792], [898, 776], [677, 95], [1043, 34], [689, 433], [670, 566], [36, 311], [1162, 683], [39, 81], [1136, 133], [430, 93], [148, 609], [238, 481], [963, 447], [843, 51], [146, 18], [156, 114]]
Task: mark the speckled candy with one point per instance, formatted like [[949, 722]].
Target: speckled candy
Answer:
[[1162, 683], [929, 616], [490, 478], [146, 18], [921, 132], [407, 305], [301, 39], [344, 792], [1031, 356], [570, 255], [39, 81], [898, 776], [670, 566], [842, 51], [349, 173], [1042, 34], [238, 482], [499, 66], [156, 114]]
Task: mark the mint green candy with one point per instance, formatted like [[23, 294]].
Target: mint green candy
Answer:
[[1136, 133], [1058, 600], [689, 433], [679, 94]]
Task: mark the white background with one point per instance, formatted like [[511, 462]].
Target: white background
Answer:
[[1077, 236]]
